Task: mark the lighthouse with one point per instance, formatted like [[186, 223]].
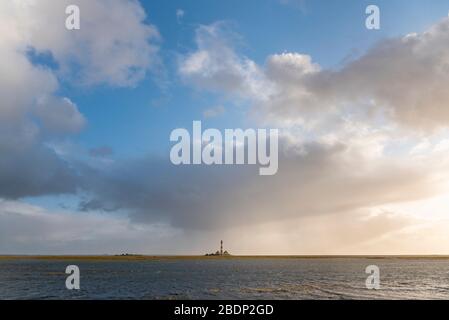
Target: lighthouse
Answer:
[[220, 252]]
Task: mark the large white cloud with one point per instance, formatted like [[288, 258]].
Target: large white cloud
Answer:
[[114, 47], [403, 80], [216, 66]]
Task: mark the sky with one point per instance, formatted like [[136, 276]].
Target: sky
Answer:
[[86, 116]]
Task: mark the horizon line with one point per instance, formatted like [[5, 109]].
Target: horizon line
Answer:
[[155, 256]]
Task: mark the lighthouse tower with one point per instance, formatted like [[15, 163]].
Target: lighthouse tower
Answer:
[[221, 247]]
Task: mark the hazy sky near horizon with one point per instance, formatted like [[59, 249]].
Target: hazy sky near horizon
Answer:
[[86, 115]]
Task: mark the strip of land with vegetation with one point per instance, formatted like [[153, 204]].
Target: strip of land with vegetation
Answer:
[[135, 257]]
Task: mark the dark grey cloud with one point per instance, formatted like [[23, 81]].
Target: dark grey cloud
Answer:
[[315, 179], [34, 171]]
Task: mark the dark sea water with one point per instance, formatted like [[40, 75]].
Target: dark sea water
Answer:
[[226, 279]]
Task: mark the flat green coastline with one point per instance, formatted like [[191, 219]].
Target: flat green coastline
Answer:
[[202, 257]]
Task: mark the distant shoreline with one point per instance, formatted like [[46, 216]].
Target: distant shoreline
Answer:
[[198, 257]]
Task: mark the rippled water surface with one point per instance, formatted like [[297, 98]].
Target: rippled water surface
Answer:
[[226, 279]]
